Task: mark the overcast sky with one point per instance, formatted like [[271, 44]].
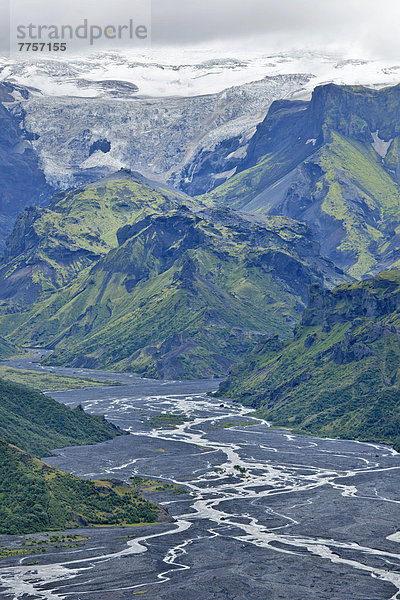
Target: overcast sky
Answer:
[[372, 26], [357, 27]]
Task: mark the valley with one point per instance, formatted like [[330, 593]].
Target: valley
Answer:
[[201, 260], [264, 511]]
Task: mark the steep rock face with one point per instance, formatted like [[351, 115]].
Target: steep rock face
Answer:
[[22, 179], [355, 112], [374, 299], [339, 375], [333, 163], [170, 289], [219, 151]]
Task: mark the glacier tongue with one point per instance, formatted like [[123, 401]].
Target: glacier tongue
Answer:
[[164, 111], [157, 136]]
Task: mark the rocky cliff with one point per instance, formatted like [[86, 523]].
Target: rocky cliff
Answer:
[[22, 179]]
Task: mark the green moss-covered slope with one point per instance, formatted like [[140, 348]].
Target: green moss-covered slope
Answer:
[[36, 497], [38, 424], [51, 246], [182, 294], [46, 381], [334, 164], [340, 374]]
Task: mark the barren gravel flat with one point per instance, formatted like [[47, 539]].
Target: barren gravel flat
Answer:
[[262, 514]]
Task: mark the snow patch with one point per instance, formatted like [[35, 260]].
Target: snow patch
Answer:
[[239, 153], [226, 174], [380, 146]]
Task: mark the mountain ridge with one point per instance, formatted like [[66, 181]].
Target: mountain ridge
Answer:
[[179, 288], [26, 414], [318, 162]]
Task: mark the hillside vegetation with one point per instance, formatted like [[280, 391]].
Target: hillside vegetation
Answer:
[[340, 374], [37, 424], [170, 289], [36, 497]]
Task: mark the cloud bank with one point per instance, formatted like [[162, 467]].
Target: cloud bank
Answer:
[[365, 28]]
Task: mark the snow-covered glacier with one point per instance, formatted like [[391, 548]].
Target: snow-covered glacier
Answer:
[[82, 138]]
